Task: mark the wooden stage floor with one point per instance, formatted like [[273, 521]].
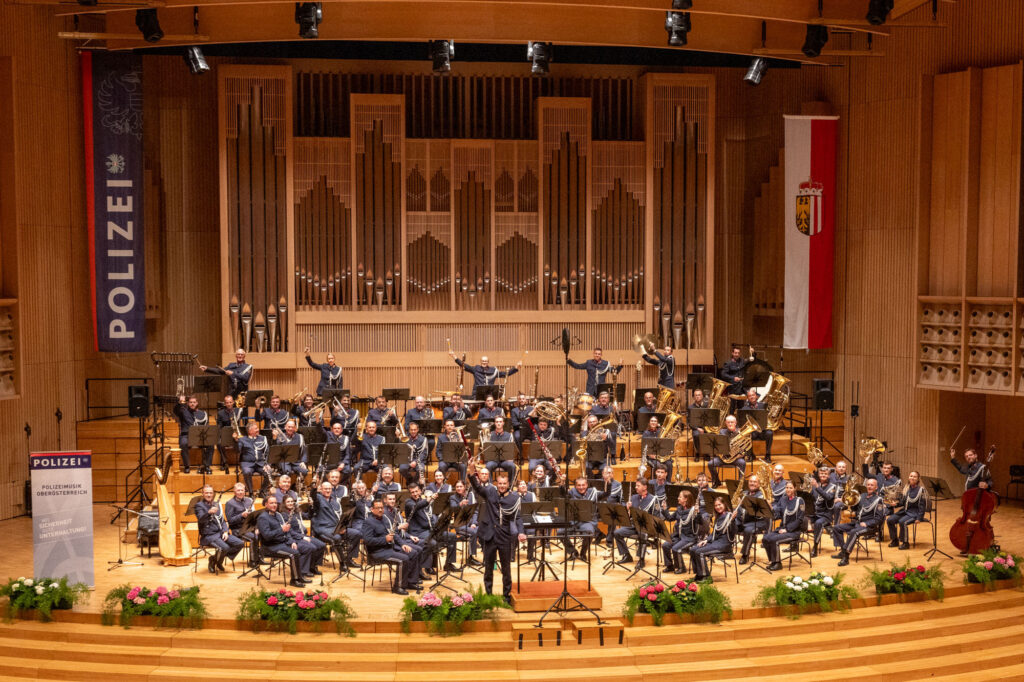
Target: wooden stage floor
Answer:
[[378, 604]]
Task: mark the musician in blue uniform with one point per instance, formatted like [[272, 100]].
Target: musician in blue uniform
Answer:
[[604, 410], [252, 456], [750, 527], [383, 545], [825, 494], [215, 532], [588, 527], [450, 435], [500, 435], [718, 541], [791, 523], [386, 483], [778, 487], [539, 478], [666, 363], [716, 462], [337, 436], [236, 510], [346, 415], [593, 433], [381, 414], [596, 368], [275, 538], [499, 526], [461, 498], [658, 486], [517, 418], [684, 533], [274, 417], [420, 513], [326, 515], [977, 473], [868, 517], [400, 527], [838, 478], [753, 402], [338, 490], [489, 410], [367, 448], [330, 373], [484, 374], [650, 406], [415, 468], [363, 500], [234, 418], [290, 437], [439, 484], [304, 414], [239, 373], [699, 403], [308, 546], [702, 485], [885, 477], [188, 414], [282, 490], [457, 411], [643, 501], [914, 506], [612, 487], [545, 434], [733, 369]]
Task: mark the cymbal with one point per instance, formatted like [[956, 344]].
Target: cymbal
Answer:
[[642, 341], [444, 393]]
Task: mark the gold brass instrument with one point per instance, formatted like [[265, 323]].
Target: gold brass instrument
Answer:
[[719, 400], [776, 401], [892, 496], [593, 435], [667, 401], [741, 442], [764, 474], [814, 454], [549, 411], [851, 496], [868, 447], [672, 428], [807, 484]]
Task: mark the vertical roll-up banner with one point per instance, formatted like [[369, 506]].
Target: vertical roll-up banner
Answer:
[[810, 230], [62, 515], [112, 117]]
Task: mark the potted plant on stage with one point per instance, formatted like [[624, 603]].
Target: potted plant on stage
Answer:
[[40, 595], [992, 565], [446, 615], [924, 583], [796, 595], [702, 601], [174, 607], [281, 610]]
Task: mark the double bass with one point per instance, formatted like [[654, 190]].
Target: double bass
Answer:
[[972, 532]]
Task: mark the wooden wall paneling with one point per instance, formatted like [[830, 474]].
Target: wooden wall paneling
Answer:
[[378, 187], [564, 157], [999, 181]]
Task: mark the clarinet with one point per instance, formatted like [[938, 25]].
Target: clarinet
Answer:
[[544, 447]]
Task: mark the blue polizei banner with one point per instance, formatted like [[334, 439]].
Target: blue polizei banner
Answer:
[[112, 116], [62, 515]]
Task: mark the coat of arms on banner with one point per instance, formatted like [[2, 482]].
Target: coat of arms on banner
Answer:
[[808, 207]]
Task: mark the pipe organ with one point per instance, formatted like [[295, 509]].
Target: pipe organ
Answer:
[[368, 203]]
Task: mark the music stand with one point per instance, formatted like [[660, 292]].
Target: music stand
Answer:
[[613, 515], [597, 451], [757, 509], [389, 453], [200, 438], [440, 503], [938, 489], [329, 394], [452, 451], [642, 524], [566, 602], [210, 383], [313, 434], [709, 501], [429, 427], [396, 394], [557, 448], [545, 509], [699, 380], [278, 454], [480, 393], [249, 530], [617, 392], [711, 445], [439, 528], [638, 396], [262, 394], [470, 427], [342, 554], [759, 416], [498, 452]]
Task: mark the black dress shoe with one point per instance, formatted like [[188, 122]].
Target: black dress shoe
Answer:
[[894, 543], [297, 583], [450, 568], [814, 552], [679, 570], [845, 561], [628, 559], [905, 545], [775, 566], [212, 565], [315, 571], [188, 470], [744, 559], [837, 556], [399, 590]]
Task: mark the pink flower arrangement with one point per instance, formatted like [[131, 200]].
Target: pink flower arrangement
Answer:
[[456, 601], [692, 587], [920, 569], [988, 565], [659, 588], [653, 596], [162, 599], [429, 599], [161, 590], [174, 594], [271, 601], [1000, 560], [134, 593], [675, 590], [900, 576], [139, 600], [1009, 562], [467, 598]]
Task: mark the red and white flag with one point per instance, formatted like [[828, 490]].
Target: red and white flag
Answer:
[[810, 229]]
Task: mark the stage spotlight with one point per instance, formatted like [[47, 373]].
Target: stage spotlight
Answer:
[[87, 3], [149, 25], [195, 60], [682, 4], [441, 53], [878, 11], [755, 72], [540, 54], [817, 36], [308, 16], [677, 25]]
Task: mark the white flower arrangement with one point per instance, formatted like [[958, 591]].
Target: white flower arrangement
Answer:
[[828, 580]]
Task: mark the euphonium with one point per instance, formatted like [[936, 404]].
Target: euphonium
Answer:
[[672, 428], [742, 441], [764, 473], [776, 401], [593, 435], [719, 400], [667, 401]]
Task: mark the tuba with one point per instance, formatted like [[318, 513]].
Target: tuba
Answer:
[[667, 401], [742, 441], [776, 401], [672, 428], [719, 400]]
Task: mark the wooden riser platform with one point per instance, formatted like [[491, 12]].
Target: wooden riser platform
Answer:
[[976, 635]]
